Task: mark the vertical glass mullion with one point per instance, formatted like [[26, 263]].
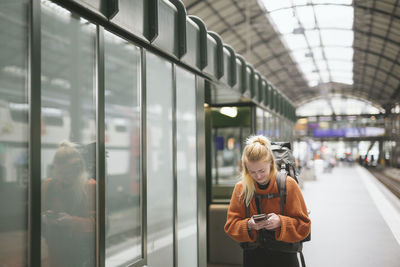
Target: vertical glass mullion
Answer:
[[202, 186], [143, 153], [34, 217], [100, 150], [174, 167]]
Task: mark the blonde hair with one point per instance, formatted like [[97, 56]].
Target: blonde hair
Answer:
[[257, 148], [65, 152]]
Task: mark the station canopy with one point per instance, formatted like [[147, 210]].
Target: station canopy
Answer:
[[315, 49]]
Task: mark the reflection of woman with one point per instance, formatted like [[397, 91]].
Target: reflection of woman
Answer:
[[259, 177], [68, 210]]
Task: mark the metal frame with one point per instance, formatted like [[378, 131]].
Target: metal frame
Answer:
[[203, 143], [174, 169], [100, 150], [143, 157], [97, 18], [379, 37], [202, 146], [34, 91]]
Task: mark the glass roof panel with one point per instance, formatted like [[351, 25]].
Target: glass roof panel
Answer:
[[345, 53], [300, 2], [283, 20], [334, 2], [345, 106], [324, 75], [300, 55], [307, 66], [312, 76], [340, 79], [337, 37], [340, 65], [317, 53], [306, 16], [334, 17], [274, 5], [322, 65], [296, 41], [313, 38], [319, 35]]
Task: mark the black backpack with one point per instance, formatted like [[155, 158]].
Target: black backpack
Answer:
[[284, 159], [287, 166]]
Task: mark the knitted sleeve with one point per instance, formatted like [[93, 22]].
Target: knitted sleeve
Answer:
[[295, 224], [86, 223], [236, 222]]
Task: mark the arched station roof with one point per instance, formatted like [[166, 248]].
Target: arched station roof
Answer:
[[314, 48]]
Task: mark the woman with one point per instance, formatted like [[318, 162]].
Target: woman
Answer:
[[259, 177], [68, 210]]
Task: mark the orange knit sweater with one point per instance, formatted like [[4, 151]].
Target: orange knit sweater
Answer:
[[295, 224]]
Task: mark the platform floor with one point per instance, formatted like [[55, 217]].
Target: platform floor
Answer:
[[355, 220]]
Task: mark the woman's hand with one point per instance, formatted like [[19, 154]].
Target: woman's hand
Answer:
[[49, 217], [65, 219], [252, 225], [273, 221]]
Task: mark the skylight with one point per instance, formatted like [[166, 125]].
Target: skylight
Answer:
[[343, 106], [319, 35]]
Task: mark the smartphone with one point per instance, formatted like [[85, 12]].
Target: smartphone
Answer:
[[259, 217]]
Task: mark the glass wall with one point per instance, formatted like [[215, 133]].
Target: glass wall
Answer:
[[160, 206], [260, 121], [68, 135], [13, 132], [123, 181], [228, 135], [68, 138], [267, 124], [186, 168]]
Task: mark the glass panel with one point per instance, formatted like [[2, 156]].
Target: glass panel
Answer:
[[228, 135], [159, 162], [260, 121], [267, 128], [68, 139], [122, 108], [14, 133], [186, 168]]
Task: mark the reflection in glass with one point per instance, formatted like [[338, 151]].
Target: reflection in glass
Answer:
[[159, 162], [122, 107], [267, 123], [68, 139], [228, 137], [186, 168], [259, 121], [13, 133]]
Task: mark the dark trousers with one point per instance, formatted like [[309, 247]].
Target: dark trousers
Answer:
[[260, 257]]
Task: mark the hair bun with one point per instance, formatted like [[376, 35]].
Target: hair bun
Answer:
[[66, 143], [258, 139], [261, 141]]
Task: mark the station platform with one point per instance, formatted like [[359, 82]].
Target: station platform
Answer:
[[355, 220]]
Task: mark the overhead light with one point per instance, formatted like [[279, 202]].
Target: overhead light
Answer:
[[229, 111], [298, 30]]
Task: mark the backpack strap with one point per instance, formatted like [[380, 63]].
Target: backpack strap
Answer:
[[303, 262], [281, 183]]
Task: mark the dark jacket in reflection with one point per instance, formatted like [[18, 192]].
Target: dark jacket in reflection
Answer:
[[70, 237]]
